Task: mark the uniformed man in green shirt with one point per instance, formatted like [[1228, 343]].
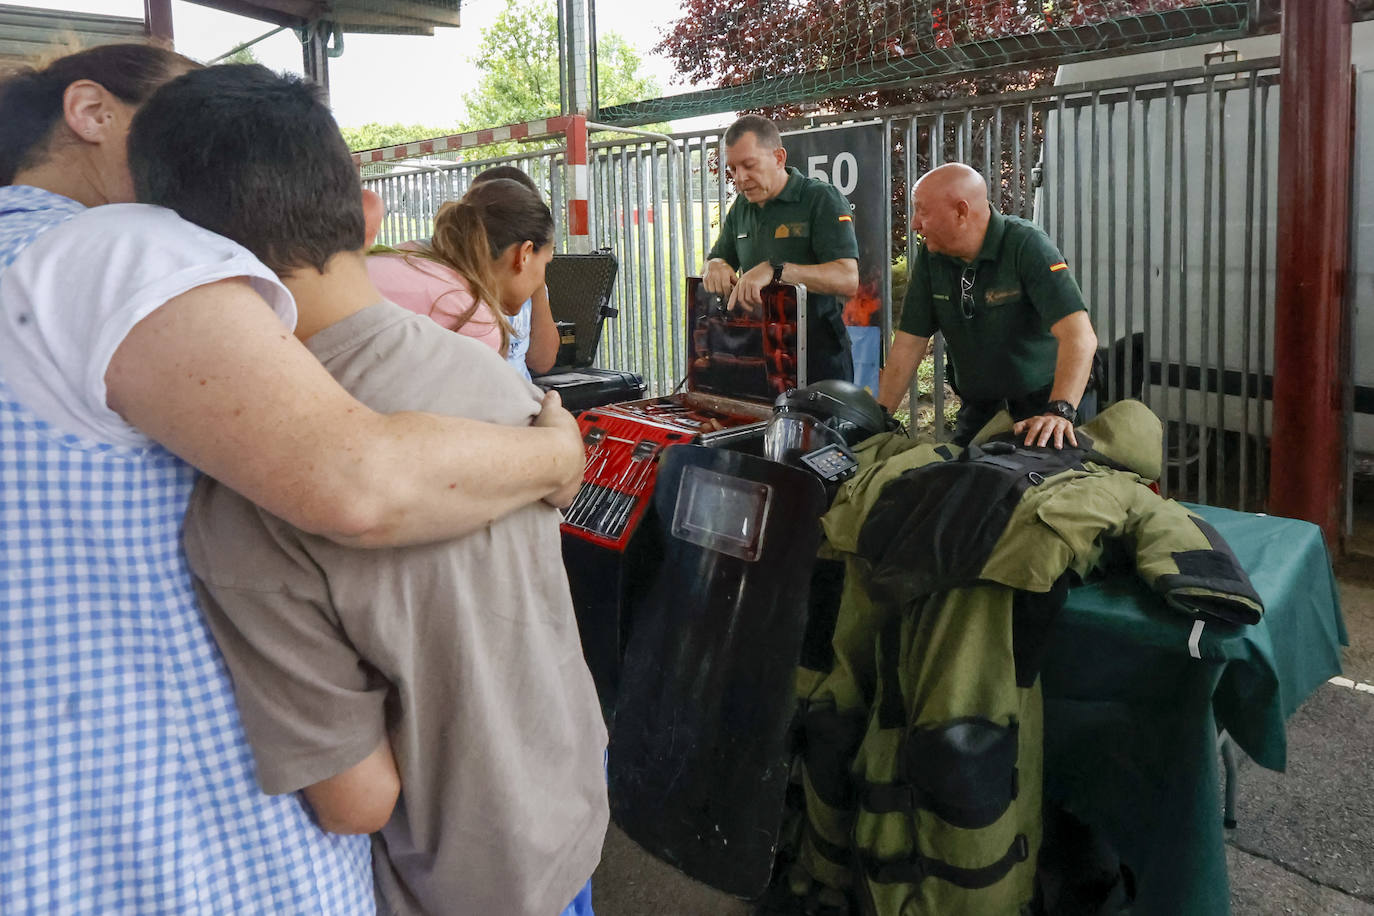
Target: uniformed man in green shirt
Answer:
[[786, 228], [1012, 314]]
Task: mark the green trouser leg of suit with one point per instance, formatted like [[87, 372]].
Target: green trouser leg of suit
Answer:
[[950, 770], [950, 762]]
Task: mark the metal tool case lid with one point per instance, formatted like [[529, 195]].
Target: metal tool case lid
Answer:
[[746, 355]]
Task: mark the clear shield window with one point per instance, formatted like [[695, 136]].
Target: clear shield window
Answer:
[[721, 513]]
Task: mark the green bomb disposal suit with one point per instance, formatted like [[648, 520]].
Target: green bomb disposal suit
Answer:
[[1021, 287], [809, 222]]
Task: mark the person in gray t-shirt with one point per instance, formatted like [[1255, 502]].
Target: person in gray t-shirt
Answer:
[[436, 694]]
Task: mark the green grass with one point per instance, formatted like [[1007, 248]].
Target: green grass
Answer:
[[924, 408]]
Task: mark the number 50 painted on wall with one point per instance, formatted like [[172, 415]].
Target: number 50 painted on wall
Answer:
[[850, 158], [842, 156], [844, 175]]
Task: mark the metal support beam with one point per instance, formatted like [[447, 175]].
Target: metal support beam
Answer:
[[593, 74], [573, 61], [1307, 448], [157, 16], [315, 52]]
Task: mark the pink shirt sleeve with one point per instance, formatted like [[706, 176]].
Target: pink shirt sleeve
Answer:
[[428, 288]]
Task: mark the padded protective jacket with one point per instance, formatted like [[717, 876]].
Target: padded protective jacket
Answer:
[[922, 740]]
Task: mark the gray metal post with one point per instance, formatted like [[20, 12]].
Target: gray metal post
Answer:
[[157, 19], [315, 52], [574, 65]]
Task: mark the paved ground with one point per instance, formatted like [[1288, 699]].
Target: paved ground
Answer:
[[1316, 821], [1263, 887], [1304, 845], [630, 882], [1357, 604]]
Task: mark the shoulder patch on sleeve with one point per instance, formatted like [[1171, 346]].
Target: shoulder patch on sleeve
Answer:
[[1060, 266], [846, 219]]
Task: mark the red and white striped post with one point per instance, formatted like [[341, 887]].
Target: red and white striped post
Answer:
[[578, 183]]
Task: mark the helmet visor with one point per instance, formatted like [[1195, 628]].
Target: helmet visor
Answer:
[[789, 435]]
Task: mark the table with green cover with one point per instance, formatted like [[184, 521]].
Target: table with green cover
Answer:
[[1136, 693]]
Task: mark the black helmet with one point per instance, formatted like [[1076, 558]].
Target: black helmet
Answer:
[[823, 413]]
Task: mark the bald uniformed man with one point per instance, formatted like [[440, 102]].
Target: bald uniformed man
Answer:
[[1012, 314], [787, 228]]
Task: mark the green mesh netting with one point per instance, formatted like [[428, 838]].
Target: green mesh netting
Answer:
[[764, 53]]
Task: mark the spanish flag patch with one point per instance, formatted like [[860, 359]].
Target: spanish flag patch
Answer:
[[846, 219], [1060, 266]]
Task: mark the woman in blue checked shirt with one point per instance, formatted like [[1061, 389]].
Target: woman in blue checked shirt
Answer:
[[134, 348]]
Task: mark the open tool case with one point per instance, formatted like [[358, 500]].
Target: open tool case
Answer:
[[738, 363], [737, 366]]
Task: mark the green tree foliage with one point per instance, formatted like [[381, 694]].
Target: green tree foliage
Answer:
[[618, 76], [519, 63], [242, 56], [518, 58]]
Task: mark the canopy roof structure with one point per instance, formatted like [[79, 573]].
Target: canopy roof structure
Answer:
[[392, 17], [27, 33]]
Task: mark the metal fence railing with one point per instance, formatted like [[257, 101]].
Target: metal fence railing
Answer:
[[1162, 193], [413, 189], [657, 205], [1159, 189]]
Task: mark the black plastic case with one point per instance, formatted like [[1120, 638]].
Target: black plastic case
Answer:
[[580, 287]]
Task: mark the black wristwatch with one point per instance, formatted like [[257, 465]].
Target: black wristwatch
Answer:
[[777, 270], [1062, 409]]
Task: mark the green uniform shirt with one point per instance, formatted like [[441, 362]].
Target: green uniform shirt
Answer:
[[1020, 288], [809, 222]]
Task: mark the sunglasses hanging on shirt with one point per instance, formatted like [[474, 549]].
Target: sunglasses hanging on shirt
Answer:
[[966, 280]]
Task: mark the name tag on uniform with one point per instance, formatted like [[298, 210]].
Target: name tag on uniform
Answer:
[[939, 296], [742, 235]]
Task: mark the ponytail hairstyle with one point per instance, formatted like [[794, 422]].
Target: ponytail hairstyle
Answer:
[[460, 243], [31, 98], [512, 214], [472, 233]]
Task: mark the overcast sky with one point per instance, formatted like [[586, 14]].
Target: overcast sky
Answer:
[[388, 78]]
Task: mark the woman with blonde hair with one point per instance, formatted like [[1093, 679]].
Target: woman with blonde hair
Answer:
[[535, 338], [486, 259]]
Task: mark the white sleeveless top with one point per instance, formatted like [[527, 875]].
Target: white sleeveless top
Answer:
[[520, 339], [126, 783]]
